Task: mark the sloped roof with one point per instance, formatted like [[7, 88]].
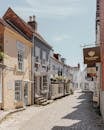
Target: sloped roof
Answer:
[[6, 24], [11, 16], [42, 39]]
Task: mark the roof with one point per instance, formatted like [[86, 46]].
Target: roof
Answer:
[[6, 24], [57, 60], [11, 16], [37, 35]]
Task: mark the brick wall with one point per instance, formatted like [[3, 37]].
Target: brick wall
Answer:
[[101, 18]]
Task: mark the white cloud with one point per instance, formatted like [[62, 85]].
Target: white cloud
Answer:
[[60, 38], [52, 8]]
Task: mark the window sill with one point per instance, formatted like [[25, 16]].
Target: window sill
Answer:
[[20, 71]]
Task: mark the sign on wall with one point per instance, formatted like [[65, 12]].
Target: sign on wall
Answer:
[[91, 55], [91, 71]]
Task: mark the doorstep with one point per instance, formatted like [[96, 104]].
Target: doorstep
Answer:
[[4, 114]]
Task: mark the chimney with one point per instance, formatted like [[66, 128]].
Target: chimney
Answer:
[[32, 22], [30, 18], [56, 56], [63, 60], [78, 66]]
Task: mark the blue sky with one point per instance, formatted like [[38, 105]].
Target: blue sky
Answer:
[[65, 24]]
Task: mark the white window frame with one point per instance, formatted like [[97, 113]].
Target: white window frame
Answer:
[[20, 51], [18, 90], [20, 60]]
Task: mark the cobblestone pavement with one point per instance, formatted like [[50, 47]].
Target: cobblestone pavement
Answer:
[[73, 112]]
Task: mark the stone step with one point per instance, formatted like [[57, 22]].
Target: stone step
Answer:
[[45, 103], [39, 99], [44, 100]]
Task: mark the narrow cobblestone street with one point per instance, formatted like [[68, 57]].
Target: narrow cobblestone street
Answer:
[[73, 112]]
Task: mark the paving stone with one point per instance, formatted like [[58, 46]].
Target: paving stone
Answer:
[[74, 112]]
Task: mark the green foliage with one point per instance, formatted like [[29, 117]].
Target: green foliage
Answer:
[[2, 55]]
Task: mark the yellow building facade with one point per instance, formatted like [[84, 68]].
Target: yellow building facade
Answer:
[[16, 75]]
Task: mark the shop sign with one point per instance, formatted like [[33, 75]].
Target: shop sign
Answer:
[[91, 55], [91, 70]]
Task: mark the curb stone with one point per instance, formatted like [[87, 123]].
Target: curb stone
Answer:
[[5, 114]]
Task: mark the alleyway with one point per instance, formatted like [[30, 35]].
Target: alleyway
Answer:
[[73, 112]]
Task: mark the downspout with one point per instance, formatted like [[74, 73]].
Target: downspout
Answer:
[[33, 74]]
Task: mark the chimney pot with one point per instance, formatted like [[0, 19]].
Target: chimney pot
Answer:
[[33, 17], [32, 22], [30, 18]]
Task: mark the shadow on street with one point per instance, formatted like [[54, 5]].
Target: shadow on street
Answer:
[[87, 116]]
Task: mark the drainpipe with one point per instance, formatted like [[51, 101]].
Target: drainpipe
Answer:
[[2, 106], [33, 74]]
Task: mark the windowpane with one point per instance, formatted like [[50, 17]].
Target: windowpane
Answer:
[[20, 59], [18, 90]]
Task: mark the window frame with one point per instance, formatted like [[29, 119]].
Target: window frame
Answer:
[[20, 60], [20, 49], [18, 90]]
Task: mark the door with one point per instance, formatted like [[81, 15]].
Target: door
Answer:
[[26, 93]]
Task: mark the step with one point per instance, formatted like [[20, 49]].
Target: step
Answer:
[[45, 103], [44, 100], [39, 99]]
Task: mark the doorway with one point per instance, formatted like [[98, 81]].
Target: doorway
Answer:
[[26, 93]]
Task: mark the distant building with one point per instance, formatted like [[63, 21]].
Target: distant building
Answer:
[[86, 83], [74, 72], [60, 77]]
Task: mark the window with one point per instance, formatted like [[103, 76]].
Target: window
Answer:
[[44, 55], [18, 90], [37, 52], [44, 82], [53, 67], [21, 50], [20, 60]]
